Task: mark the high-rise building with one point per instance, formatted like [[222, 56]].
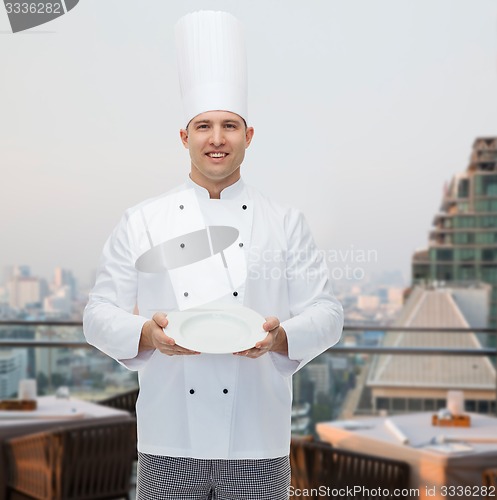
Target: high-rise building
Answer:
[[24, 292], [13, 368], [64, 278], [11, 272], [463, 241], [58, 304]]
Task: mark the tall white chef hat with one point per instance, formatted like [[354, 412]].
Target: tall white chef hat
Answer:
[[212, 63]]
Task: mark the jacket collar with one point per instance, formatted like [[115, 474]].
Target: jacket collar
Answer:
[[229, 193]]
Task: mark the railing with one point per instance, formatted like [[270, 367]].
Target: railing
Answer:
[[95, 376], [56, 354], [489, 351]]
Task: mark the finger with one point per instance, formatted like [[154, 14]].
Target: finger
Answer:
[[177, 350], [271, 323], [175, 353], [184, 350], [265, 343], [240, 353], [165, 339], [255, 353], [161, 319], [180, 352]]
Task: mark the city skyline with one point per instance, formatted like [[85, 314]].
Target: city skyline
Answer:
[[369, 111]]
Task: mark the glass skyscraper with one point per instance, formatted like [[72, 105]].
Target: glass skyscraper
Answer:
[[463, 241]]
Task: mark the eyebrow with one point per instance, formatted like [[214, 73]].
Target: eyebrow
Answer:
[[231, 120]]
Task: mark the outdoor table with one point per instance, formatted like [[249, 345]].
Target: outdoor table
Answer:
[[51, 413], [443, 460]]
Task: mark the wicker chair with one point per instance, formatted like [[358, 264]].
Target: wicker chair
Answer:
[[318, 465], [91, 461], [490, 481], [124, 401]]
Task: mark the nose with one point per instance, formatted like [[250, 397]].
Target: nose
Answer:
[[217, 136]]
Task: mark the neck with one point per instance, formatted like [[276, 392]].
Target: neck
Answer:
[[214, 186]]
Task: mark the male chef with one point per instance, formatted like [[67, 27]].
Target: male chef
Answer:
[[212, 425]]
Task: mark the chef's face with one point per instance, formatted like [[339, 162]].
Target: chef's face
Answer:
[[217, 141]]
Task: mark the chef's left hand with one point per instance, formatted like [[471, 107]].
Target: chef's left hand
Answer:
[[275, 340]]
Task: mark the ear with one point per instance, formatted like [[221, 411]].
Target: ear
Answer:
[[249, 133], [183, 134]]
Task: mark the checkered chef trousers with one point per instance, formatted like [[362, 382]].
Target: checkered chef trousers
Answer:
[[181, 478]]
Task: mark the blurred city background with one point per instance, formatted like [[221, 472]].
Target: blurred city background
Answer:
[[453, 287], [378, 122]]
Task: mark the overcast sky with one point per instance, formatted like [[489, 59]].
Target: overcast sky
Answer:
[[362, 111]]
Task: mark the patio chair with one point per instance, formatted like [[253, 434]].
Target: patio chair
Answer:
[[300, 477], [90, 461], [123, 401], [490, 481], [318, 465]]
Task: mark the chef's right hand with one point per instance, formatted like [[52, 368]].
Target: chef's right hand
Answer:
[[153, 337]]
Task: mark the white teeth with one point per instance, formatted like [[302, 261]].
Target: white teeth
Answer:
[[217, 155]]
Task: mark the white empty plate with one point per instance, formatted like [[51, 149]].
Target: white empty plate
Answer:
[[216, 331]]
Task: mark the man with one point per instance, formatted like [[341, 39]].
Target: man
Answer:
[[212, 425]]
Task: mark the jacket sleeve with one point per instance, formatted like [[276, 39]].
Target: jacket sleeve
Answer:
[[316, 316], [108, 321]]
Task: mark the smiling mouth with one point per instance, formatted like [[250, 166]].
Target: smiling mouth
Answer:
[[217, 155]]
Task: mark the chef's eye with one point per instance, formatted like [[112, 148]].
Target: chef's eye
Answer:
[[202, 126], [230, 125]]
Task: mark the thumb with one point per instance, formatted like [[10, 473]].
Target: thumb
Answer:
[[271, 323], [161, 319]]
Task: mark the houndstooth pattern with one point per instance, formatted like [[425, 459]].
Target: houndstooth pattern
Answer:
[[181, 478]]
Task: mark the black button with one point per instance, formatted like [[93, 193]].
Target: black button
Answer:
[[192, 391], [225, 391], [240, 245], [181, 207], [244, 207], [186, 294], [235, 294], [182, 245]]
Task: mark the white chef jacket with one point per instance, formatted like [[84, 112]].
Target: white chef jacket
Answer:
[[216, 406]]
